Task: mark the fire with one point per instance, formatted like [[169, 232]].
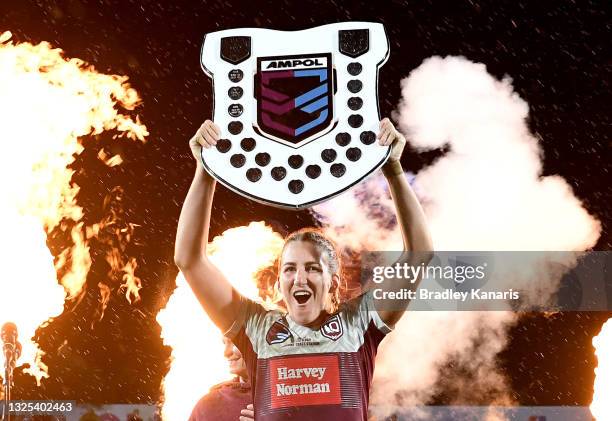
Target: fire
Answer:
[[601, 408], [110, 161], [47, 102], [197, 350]]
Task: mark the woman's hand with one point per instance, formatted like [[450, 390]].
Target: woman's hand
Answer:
[[206, 137], [247, 414], [389, 135]]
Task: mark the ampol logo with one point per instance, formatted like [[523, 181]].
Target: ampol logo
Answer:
[[294, 96]]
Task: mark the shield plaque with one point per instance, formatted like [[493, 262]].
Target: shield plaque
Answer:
[[298, 110]]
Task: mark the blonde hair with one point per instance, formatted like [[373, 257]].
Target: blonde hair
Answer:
[[326, 247]]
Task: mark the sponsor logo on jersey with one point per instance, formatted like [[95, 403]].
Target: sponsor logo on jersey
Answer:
[[278, 333], [307, 380], [332, 328]]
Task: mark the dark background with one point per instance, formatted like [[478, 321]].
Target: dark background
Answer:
[[554, 51]]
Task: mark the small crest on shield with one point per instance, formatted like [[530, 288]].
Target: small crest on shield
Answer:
[[294, 97]]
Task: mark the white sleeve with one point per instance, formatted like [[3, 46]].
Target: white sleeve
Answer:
[[364, 310], [249, 312]]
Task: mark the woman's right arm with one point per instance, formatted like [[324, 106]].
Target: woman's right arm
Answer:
[[210, 286]]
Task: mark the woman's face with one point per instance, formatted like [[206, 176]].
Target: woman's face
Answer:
[[234, 359], [305, 281]]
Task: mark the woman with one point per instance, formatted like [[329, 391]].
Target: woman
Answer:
[[316, 360], [226, 401]]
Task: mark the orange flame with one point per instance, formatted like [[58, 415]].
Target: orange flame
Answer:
[[197, 350], [110, 161], [601, 407], [132, 283], [46, 103]]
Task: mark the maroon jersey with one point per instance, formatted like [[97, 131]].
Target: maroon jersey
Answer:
[[303, 374], [223, 402]]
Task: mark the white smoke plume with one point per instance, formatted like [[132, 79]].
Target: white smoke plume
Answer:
[[486, 193]]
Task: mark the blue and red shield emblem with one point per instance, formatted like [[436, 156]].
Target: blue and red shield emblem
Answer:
[[294, 97]]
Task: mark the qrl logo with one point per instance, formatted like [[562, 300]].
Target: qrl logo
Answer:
[[332, 328], [294, 97]]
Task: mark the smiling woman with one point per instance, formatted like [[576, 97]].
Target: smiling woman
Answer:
[[316, 359], [309, 276]]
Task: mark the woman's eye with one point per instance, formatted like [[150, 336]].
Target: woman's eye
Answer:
[[289, 269], [314, 269]]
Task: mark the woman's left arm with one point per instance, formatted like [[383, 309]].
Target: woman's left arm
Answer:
[[418, 246]]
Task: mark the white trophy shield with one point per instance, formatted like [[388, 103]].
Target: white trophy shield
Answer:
[[298, 110]]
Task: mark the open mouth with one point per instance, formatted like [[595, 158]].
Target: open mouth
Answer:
[[302, 296]]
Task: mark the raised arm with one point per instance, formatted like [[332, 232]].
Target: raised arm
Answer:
[[418, 247], [210, 286]]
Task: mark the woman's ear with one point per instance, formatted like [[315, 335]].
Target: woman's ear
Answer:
[[335, 282]]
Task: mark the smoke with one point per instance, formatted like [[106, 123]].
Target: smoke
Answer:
[[486, 193], [349, 219]]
